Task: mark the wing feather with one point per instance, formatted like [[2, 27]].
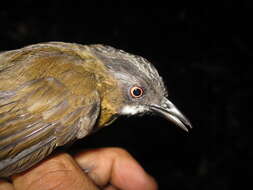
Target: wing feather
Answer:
[[37, 117]]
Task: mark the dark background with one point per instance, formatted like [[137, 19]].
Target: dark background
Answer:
[[204, 53]]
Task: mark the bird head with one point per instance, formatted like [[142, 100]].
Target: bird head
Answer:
[[141, 86]]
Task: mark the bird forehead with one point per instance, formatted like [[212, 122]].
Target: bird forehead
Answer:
[[124, 65], [122, 60]]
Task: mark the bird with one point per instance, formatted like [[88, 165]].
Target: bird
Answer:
[[54, 93]]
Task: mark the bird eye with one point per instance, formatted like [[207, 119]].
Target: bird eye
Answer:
[[136, 92]]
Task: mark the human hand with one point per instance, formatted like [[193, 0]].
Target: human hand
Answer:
[[105, 168]]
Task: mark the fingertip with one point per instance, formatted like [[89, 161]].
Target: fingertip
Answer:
[[136, 179], [128, 174], [152, 183]]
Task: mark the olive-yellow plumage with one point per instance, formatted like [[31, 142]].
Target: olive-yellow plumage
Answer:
[[53, 93]]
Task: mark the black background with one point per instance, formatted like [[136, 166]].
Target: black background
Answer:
[[204, 53]]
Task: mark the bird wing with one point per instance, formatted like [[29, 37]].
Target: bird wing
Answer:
[[38, 116]]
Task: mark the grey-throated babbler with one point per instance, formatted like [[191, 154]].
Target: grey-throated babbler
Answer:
[[53, 93]]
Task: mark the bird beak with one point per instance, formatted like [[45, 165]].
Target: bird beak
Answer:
[[169, 111]]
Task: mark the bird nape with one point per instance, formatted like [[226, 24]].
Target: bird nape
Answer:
[[54, 93]]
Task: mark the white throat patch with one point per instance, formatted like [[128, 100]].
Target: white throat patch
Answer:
[[132, 110]]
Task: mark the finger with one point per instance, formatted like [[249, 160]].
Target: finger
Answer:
[[4, 185], [117, 167], [110, 187], [57, 172]]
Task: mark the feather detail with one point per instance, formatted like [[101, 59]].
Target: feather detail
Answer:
[[38, 116]]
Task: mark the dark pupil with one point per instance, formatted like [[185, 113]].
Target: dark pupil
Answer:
[[137, 92]]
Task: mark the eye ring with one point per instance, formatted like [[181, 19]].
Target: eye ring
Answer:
[[136, 92]]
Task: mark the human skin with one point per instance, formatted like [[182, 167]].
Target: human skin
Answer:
[[104, 168]]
